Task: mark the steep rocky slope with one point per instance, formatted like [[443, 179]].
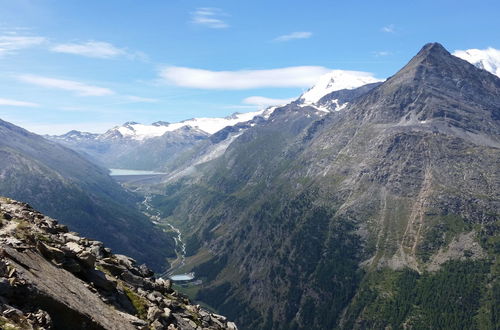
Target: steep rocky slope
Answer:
[[52, 278], [356, 219], [64, 185]]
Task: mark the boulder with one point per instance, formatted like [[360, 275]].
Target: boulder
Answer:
[[100, 280], [153, 313], [87, 258], [74, 247], [145, 271], [71, 237], [134, 280], [50, 252], [125, 261], [113, 269]]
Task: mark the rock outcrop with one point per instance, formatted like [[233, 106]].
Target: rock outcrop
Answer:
[[51, 278]]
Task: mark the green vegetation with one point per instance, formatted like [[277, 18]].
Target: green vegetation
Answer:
[[139, 304], [5, 324], [441, 233], [448, 299], [211, 268]]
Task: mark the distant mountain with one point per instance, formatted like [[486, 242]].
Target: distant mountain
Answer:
[[382, 215], [486, 59], [161, 145], [68, 187], [147, 147], [136, 131]]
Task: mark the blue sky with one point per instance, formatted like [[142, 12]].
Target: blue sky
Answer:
[[94, 64]]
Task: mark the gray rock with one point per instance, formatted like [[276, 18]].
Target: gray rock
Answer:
[[72, 265], [145, 271], [125, 261], [98, 251], [100, 280], [153, 313], [155, 296], [167, 313], [74, 247], [87, 258], [71, 237], [132, 279], [156, 325], [113, 269], [50, 252]]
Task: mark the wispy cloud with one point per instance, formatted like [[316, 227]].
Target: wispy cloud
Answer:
[[139, 99], [391, 28], [262, 101], [97, 49], [293, 36], [12, 43], [209, 17], [381, 53], [70, 85], [16, 103], [295, 76]]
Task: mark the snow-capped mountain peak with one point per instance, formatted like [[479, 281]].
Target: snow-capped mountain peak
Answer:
[[486, 59], [334, 81], [136, 131]]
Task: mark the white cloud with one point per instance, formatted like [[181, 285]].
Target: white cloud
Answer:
[[209, 17], [97, 49], [16, 103], [262, 101], [140, 99], [486, 59], [381, 53], [11, 43], [391, 28], [295, 76], [70, 85], [293, 36]]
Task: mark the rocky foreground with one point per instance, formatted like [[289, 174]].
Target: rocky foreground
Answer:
[[51, 278]]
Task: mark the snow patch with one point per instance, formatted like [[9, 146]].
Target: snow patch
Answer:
[[334, 81], [486, 59], [141, 132]]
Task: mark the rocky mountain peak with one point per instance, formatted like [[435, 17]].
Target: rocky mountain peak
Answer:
[[436, 86], [433, 48], [160, 123], [130, 123]]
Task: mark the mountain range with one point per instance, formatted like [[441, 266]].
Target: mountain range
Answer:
[[66, 186], [361, 204], [162, 145], [381, 215], [149, 147]]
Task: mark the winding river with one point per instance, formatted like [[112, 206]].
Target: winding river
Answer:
[[180, 245]]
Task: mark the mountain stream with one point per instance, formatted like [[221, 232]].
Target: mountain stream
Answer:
[[180, 245]]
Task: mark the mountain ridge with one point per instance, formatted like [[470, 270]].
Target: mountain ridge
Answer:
[[401, 182], [62, 183]]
